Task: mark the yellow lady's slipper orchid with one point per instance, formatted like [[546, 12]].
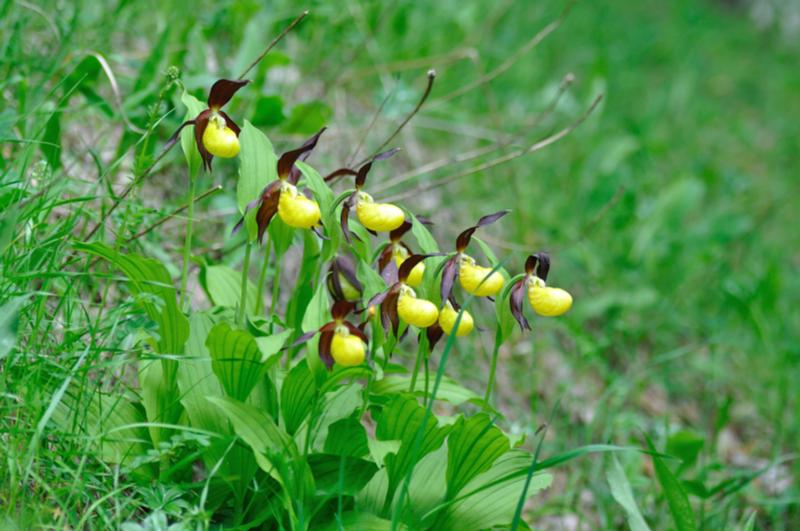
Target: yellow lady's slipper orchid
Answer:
[[219, 139], [447, 320], [347, 349], [416, 312], [547, 301], [296, 210], [478, 280], [379, 217]]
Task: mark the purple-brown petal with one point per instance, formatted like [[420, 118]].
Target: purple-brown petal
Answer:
[[449, 276], [201, 122], [361, 176], [356, 331], [230, 123], [304, 338], [409, 264], [544, 265], [340, 309], [398, 233], [515, 301], [339, 173], [434, 333], [325, 349], [222, 91], [174, 138]]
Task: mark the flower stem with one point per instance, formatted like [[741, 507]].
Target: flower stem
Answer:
[[493, 366], [243, 296], [261, 277], [422, 353], [187, 243]]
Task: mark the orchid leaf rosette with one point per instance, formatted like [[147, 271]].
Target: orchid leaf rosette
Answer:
[[545, 300], [215, 133]]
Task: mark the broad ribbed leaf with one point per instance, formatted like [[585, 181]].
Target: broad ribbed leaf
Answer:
[[317, 314], [621, 491], [426, 490], [336, 405], [474, 444], [223, 286], [235, 359], [347, 437], [401, 419], [490, 499], [148, 278], [258, 166], [258, 430], [297, 396], [362, 521], [339, 474], [427, 243]]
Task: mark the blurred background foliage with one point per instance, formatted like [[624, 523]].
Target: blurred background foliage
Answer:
[[671, 212]]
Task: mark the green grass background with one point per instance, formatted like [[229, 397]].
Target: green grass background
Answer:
[[671, 215]]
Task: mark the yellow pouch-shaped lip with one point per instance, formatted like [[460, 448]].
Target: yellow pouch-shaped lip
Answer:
[[379, 217], [415, 277], [296, 210], [417, 312], [549, 302], [220, 140], [347, 350], [472, 280], [447, 320]]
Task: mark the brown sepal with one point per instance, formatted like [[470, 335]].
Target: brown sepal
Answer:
[[174, 138], [287, 160], [230, 123], [434, 333], [464, 238], [385, 258], [356, 331], [222, 91], [398, 233], [340, 309], [361, 176], [339, 173]]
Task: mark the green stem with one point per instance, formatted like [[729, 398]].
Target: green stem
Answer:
[[493, 367], [416, 370], [187, 243], [427, 380], [243, 296], [261, 277]]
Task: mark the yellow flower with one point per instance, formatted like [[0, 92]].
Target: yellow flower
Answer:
[[380, 217], [219, 139], [296, 210], [347, 349], [472, 278], [447, 320], [414, 311], [415, 277], [547, 301]]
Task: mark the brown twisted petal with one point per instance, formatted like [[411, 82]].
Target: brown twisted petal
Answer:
[[356, 331], [230, 123], [340, 309], [389, 316], [398, 233], [434, 334], [325, 348], [449, 277], [287, 160], [515, 301], [268, 208], [544, 265], [222, 91], [200, 124]]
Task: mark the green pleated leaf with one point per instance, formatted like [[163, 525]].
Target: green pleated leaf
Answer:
[[339, 474], [338, 404], [426, 241], [297, 396], [317, 314], [361, 521], [474, 444], [258, 166], [426, 490], [223, 285], [347, 437], [258, 430], [148, 278], [235, 359], [490, 499], [402, 419], [622, 492], [677, 500]]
